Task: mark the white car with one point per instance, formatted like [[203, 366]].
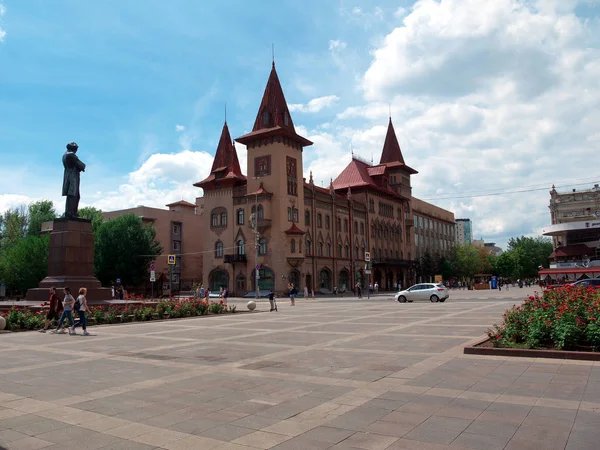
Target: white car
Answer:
[[435, 292]]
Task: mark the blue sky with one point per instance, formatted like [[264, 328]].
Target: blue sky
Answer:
[[484, 95]]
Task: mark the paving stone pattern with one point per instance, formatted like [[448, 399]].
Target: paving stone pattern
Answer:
[[321, 375]]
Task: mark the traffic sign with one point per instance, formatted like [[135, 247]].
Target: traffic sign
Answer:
[[118, 281], [152, 267], [171, 259], [258, 267], [367, 256], [368, 272], [152, 276]]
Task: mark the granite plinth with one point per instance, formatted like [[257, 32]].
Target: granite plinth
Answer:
[[71, 262]]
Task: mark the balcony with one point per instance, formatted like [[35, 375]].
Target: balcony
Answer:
[[232, 259], [262, 224]]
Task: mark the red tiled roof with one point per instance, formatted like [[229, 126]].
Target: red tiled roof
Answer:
[[260, 191], [226, 160], [391, 155], [294, 230], [273, 117], [356, 174], [376, 171], [182, 203], [391, 148]]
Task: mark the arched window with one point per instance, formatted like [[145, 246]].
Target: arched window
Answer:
[[240, 247], [355, 252], [224, 219], [320, 249], [325, 279], [219, 249], [347, 252], [214, 220], [328, 248], [307, 247], [339, 250], [240, 217], [262, 246], [319, 224], [260, 211], [307, 217], [293, 246]]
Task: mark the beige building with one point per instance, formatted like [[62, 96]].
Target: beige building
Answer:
[[433, 229], [177, 230], [288, 229]]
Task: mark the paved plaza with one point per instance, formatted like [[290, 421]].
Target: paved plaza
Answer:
[[339, 374]]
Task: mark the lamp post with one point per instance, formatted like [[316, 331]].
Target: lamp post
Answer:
[[254, 221]]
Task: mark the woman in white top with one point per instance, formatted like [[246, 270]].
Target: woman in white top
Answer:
[[82, 308]]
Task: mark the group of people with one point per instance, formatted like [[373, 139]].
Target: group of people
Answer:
[[292, 292], [203, 293], [61, 310]]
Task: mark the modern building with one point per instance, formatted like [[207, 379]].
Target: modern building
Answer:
[[492, 248], [433, 229], [464, 231], [273, 227], [177, 230], [575, 233]]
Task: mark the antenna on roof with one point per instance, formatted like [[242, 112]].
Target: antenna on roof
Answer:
[[273, 54], [225, 112], [351, 150], [371, 158]]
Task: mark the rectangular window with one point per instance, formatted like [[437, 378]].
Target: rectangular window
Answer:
[[176, 245], [175, 278], [289, 214], [319, 222], [355, 227], [262, 166], [339, 224], [327, 222], [362, 228], [176, 228], [295, 214], [307, 218], [292, 179], [346, 225], [214, 220]]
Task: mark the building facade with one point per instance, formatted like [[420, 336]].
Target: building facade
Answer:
[[464, 231], [433, 228], [575, 228], [177, 231], [273, 227]]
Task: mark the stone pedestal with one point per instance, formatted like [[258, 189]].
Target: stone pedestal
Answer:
[[71, 262]]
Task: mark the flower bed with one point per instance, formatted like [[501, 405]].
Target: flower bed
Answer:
[[561, 319], [18, 318]]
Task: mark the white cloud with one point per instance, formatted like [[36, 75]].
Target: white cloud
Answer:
[[315, 105], [179, 128], [337, 45], [2, 32], [9, 201]]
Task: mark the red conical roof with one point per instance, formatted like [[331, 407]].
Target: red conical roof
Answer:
[[226, 155], [273, 108], [225, 164], [391, 148], [273, 117]]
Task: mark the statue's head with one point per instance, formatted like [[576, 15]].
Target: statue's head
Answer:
[[72, 147]]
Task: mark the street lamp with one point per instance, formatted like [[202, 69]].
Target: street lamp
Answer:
[[254, 222]]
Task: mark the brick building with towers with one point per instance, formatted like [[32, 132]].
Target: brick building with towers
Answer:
[[275, 221]]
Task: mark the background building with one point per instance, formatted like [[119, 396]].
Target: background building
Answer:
[[178, 231], [464, 231], [433, 229], [575, 228]]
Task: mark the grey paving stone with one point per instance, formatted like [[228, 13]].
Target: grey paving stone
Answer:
[[226, 432], [480, 441], [498, 429], [327, 434]]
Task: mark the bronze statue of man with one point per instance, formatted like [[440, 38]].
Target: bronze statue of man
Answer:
[[73, 167]]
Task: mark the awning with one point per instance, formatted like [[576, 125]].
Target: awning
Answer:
[[570, 270]]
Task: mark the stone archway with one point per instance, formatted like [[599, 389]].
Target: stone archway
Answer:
[[308, 282], [266, 281], [344, 280], [218, 278], [325, 279]]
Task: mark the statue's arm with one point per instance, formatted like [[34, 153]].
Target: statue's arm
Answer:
[[79, 164]]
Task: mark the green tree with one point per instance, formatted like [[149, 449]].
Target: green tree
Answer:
[[468, 261], [42, 211], [530, 253], [507, 265], [446, 269], [124, 248], [25, 263], [93, 214], [427, 265], [13, 226]]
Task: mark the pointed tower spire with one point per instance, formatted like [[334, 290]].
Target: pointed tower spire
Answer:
[[226, 165], [311, 178], [273, 117], [391, 149]]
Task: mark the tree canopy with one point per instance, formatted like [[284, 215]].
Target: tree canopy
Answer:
[[124, 249], [93, 214]]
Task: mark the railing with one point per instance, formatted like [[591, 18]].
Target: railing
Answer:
[[230, 259]]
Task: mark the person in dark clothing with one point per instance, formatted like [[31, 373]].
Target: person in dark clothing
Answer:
[[272, 301], [55, 310]]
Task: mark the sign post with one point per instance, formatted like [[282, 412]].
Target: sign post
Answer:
[[171, 260], [368, 273]]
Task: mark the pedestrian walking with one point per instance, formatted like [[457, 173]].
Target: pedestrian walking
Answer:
[[272, 301], [55, 310], [67, 313], [292, 293], [225, 295], [358, 290], [312, 291], [201, 291], [305, 292], [81, 307]]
